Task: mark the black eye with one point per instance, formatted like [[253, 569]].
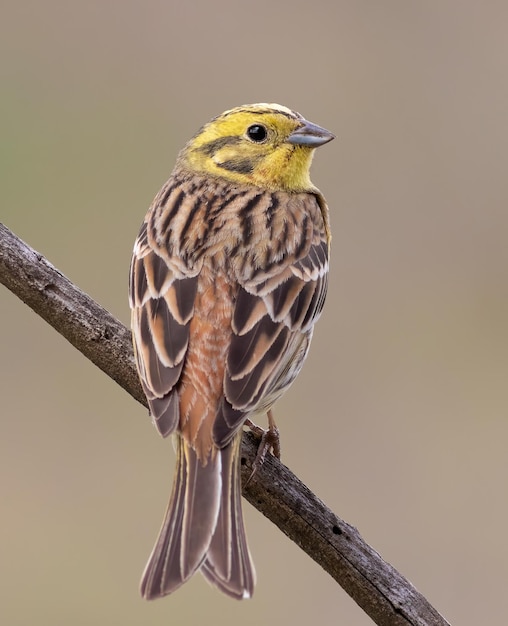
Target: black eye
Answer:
[[257, 133]]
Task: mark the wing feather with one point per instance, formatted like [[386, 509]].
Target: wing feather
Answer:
[[272, 324], [162, 305], [169, 338], [245, 391], [249, 310], [301, 305], [247, 350]]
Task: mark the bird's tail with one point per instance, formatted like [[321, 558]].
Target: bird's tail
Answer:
[[203, 527], [228, 564]]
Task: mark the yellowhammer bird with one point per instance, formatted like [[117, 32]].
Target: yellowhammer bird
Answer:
[[228, 276]]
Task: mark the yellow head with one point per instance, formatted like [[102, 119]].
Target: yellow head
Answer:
[[266, 145]]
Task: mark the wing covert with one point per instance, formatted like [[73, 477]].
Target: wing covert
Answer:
[[162, 305], [272, 325]]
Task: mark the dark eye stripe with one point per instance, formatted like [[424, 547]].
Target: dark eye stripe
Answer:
[[242, 166], [211, 147]]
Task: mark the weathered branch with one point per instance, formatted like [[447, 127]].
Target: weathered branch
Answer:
[[384, 594]]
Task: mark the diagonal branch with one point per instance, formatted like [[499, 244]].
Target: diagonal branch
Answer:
[[384, 594]]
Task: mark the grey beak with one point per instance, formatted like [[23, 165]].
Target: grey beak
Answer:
[[310, 135]]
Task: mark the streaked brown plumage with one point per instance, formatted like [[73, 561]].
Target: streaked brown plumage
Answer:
[[228, 277]]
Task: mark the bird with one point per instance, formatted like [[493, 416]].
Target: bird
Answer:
[[228, 276]]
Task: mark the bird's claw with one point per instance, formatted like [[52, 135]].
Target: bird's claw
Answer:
[[270, 442]]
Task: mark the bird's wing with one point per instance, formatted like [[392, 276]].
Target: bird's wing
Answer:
[[273, 318], [162, 303]]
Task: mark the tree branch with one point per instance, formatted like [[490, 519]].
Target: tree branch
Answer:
[[384, 594]]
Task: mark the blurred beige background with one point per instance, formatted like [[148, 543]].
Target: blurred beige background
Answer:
[[399, 421]]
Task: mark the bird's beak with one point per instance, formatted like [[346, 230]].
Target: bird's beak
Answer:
[[310, 135]]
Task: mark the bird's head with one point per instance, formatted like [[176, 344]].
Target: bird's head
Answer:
[[266, 145]]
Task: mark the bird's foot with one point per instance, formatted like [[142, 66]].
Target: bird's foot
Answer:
[[270, 442]]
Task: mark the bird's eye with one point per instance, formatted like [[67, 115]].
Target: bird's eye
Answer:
[[257, 133]]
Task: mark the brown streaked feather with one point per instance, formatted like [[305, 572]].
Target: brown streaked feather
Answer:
[[267, 351], [170, 338], [245, 392], [281, 299], [228, 564], [273, 245], [158, 275], [226, 283], [249, 309], [245, 351], [195, 502], [165, 412], [138, 285], [162, 307], [227, 423], [180, 298], [301, 305]]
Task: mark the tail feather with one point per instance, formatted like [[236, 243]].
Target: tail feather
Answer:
[[189, 524], [228, 564], [203, 527]]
